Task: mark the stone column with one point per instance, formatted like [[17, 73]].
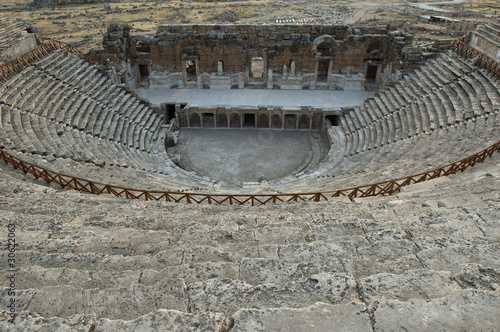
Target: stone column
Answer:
[[184, 72], [163, 109], [241, 81], [329, 74], [270, 84]]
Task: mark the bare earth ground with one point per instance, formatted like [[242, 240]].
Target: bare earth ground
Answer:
[[83, 25]]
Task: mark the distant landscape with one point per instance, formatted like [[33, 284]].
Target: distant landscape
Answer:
[[82, 22]]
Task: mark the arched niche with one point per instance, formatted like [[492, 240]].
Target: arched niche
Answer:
[[304, 121], [194, 120], [235, 120], [221, 120], [324, 45], [276, 121], [263, 121]]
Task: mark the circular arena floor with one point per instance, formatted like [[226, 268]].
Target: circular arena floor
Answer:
[[246, 155]]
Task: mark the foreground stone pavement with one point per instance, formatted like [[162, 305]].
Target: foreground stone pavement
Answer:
[[424, 259]]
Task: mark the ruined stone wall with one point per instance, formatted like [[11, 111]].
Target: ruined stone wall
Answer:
[[235, 45], [16, 37]]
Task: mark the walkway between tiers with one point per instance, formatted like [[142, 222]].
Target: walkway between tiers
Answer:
[[255, 97]]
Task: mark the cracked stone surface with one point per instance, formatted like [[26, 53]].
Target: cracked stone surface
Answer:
[[414, 261], [459, 311], [318, 317]]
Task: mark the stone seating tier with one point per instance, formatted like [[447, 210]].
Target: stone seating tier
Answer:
[[445, 93], [97, 263], [430, 249]]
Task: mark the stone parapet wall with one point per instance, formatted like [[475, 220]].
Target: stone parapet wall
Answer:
[[486, 38], [16, 37]]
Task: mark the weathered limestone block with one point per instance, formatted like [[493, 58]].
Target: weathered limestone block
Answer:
[[350, 317], [315, 252], [328, 229], [391, 234], [364, 267], [441, 223], [277, 234], [414, 284], [476, 276], [113, 303], [36, 277], [192, 272], [453, 259], [23, 298], [450, 242], [204, 254], [382, 251], [165, 320], [460, 311], [224, 295], [28, 321], [268, 271]]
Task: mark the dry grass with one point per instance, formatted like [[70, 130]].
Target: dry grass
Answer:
[[83, 25]]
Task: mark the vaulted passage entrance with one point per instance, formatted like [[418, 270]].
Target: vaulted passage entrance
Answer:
[[249, 121], [371, 73]]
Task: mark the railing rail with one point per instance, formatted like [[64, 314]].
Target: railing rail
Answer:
[[15, 65], [381, 188], [483, 61]]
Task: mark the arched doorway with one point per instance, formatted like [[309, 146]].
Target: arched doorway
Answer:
[[373, 61], [323, 48]]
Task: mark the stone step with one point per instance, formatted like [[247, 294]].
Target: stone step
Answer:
[[169, 320], [112, 303]]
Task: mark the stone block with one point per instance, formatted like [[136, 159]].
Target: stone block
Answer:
[[318, 317], [460, 311]]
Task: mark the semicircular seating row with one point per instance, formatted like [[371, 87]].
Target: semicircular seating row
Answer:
[[445, 111], [63, 107]]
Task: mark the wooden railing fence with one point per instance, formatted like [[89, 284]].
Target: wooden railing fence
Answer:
[[483, 61], [381, 188], [15, 65]]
